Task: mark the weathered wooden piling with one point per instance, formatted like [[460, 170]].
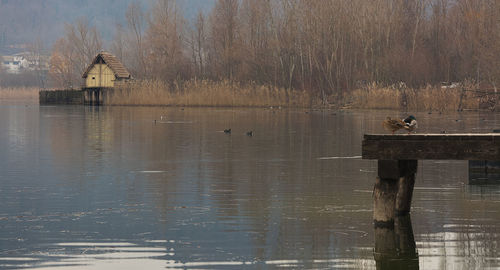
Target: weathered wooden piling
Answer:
[[384, 202], [398, 156], [92, 96], [96, 96], [393, 190]]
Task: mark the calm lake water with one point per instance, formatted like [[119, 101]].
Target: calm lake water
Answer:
[[108, 188]]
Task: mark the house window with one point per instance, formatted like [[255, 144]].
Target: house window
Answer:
[[93, 77], [6, 62], [16, 63]]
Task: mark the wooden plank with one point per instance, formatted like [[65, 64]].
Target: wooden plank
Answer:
[[434, 136], [432, 146], [60, 97]]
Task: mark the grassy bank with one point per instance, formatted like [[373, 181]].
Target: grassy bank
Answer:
[[207, 93], [430, 98], [227, 94], [19, 93]]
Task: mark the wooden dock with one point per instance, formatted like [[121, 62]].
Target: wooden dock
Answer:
[[95, 96], [397, 157], [61, 97]]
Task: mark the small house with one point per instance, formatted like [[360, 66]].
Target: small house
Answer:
[[104, 71], [14, 64]]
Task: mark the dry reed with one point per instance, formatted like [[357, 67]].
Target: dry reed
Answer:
[[206, 93], [430, 98], [227, 94], [19, 93]]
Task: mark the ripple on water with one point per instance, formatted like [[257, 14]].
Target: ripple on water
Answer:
[[93, 255]]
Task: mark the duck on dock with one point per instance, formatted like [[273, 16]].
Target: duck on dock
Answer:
[[393, 125], [410, 123]]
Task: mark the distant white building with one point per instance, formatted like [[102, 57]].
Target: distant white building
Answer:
[[17, 63], [14, 64]]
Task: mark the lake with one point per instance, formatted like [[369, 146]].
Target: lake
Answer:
[[165, 188]]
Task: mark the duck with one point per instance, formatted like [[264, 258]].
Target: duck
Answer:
[[227, 131], [393, 125], [410, 123], [249, 133]]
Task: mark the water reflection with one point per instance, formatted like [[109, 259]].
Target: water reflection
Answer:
[[92, 255], [84, 187], [463, 246], [484, 172], [395, 248]]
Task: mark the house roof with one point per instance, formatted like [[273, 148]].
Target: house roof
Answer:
[[116, 66]]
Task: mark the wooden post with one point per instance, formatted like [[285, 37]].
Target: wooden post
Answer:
[[384, 198], [393, 190], [99, 96], [408, 168], [94, 96]]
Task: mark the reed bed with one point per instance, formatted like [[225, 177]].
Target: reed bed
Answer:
[[230, 94], [19, 93], [430, 98], [206, 93]]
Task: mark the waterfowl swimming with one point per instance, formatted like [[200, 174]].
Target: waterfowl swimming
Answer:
[[250, 133], [410, 123], [228, 131], [393, 125]]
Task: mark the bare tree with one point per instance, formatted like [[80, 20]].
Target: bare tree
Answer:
[[165, 38], [85, 40], [136, 22], [198, 44], [72, 54], [256, 34], [118, 45], [61, 69], [324, 47], [224, 35]]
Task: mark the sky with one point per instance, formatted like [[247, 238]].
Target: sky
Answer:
[[24, 21]]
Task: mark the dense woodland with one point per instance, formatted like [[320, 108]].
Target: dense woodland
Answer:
[[325, 47]]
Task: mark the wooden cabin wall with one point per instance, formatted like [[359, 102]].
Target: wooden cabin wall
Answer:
[[100, 76]]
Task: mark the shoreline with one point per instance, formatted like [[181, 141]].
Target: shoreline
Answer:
[[209, 94]]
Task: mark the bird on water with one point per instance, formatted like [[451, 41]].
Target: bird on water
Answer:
[[227, 131], [393, 125]]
